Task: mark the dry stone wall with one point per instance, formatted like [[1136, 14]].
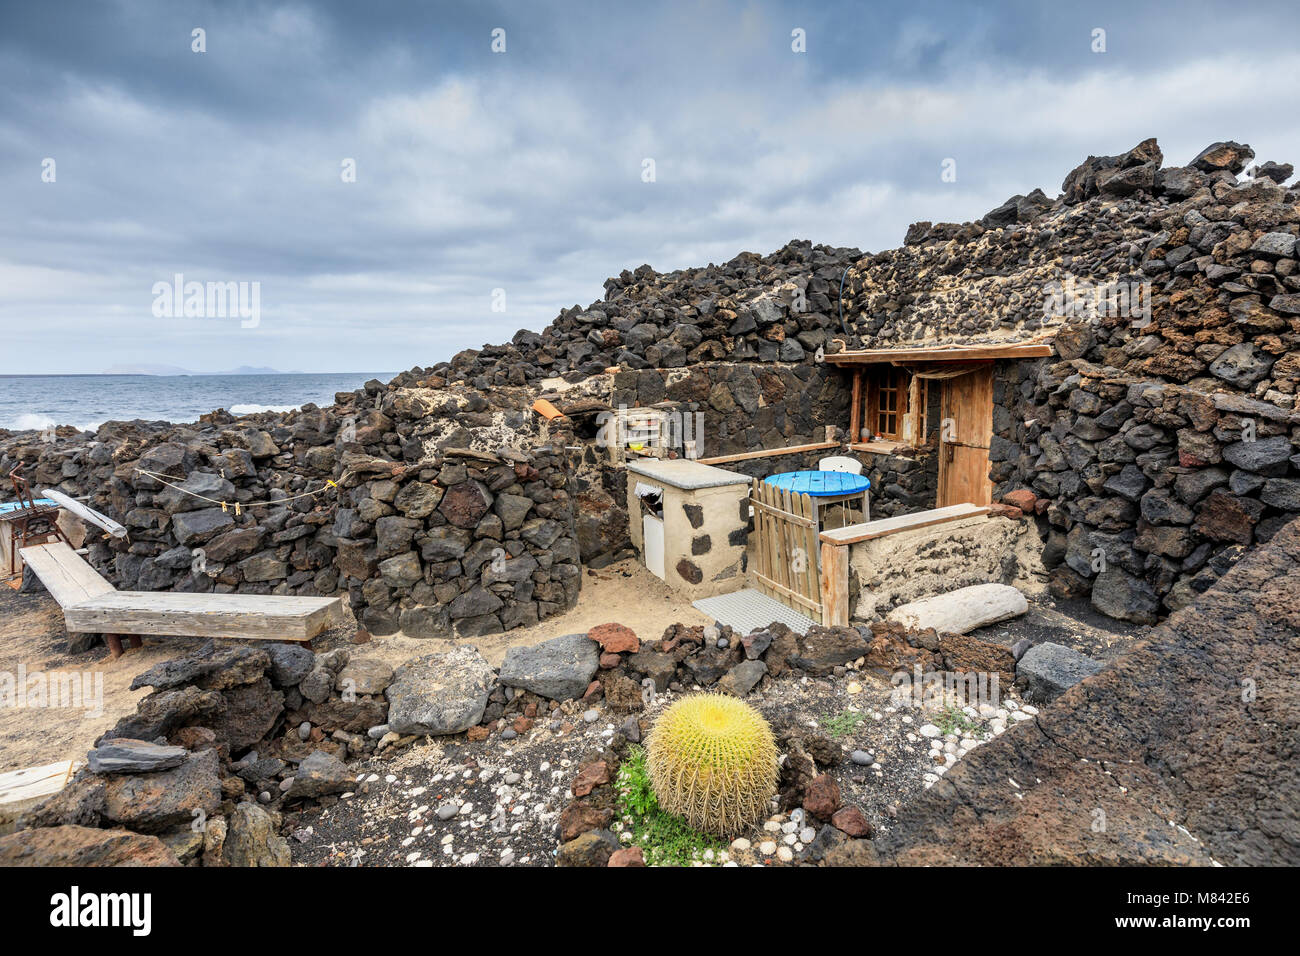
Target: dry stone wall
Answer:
[[1163, 439]]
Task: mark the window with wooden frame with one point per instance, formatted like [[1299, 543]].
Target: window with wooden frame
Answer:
[[890, 404], [886, 398]]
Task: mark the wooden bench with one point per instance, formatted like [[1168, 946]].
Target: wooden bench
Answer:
[[91, 605]]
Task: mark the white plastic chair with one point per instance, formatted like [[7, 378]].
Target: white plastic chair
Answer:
[[852, 466], [840, 463]]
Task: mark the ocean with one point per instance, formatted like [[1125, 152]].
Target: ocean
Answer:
[[87, 401]]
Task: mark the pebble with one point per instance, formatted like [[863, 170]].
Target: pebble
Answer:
[[767, 848], [740, 844], [591, 716], [304, 730], [377, 731], [511, 778], [447, 810], [807, 835], [785, 854], [508, 734], [862, 758], [930, 730]]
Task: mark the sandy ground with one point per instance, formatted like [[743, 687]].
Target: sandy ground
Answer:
[[32, 637], [624, 592]]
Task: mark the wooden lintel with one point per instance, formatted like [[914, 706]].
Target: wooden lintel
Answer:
[[958, 353]]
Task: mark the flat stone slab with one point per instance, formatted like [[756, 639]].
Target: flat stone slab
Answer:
[[684, 473], [561, 668], [963, 610], [1049, 670], [124, 755]]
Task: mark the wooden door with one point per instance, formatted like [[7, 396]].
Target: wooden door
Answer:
[[964, 433]]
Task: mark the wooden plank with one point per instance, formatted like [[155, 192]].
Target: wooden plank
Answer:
[[812, 570], [20, 789], [68, 578], [789, 595], [775, 510], [879, 447], [255, 616], [1009, 350], [835, 584], [769, 453], [887, 526], [86, 514], [855, 410]]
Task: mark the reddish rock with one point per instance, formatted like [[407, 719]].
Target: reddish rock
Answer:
[[362, 636], [609, 661], [615, 638], [522, 725], [590, 776], [83, 846], [577, 818], [465, 503], [628, 856], [1021, 498], [821, 797], [1225, 517], [477, 733], [595, 691], [851, 821]]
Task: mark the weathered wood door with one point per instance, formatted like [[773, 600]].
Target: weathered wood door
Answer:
[[964, 433]]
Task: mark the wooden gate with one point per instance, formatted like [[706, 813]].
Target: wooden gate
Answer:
[[786, 549], [967, 409]]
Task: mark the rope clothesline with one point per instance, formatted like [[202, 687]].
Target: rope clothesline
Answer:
[[239, 506]]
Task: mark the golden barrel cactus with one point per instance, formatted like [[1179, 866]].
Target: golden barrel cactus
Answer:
[[712, 759]]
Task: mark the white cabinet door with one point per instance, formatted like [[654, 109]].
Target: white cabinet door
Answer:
[[652, 530]]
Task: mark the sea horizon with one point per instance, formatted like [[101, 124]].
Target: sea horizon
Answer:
[[32, 401]]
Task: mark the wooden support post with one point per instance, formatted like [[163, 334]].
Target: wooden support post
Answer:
[[855, 412], [136, 641], [114, 642], [835, 584]]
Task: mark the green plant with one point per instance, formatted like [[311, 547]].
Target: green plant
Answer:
[[665, 839], [712, 759], [842, 724], [954, 720]]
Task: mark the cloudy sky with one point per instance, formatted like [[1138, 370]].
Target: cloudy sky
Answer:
[[525, 170]]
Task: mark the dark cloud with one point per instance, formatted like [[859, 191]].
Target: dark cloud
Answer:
[[522, 171]]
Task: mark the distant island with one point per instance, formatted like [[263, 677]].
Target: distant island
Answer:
[[148, 369]]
